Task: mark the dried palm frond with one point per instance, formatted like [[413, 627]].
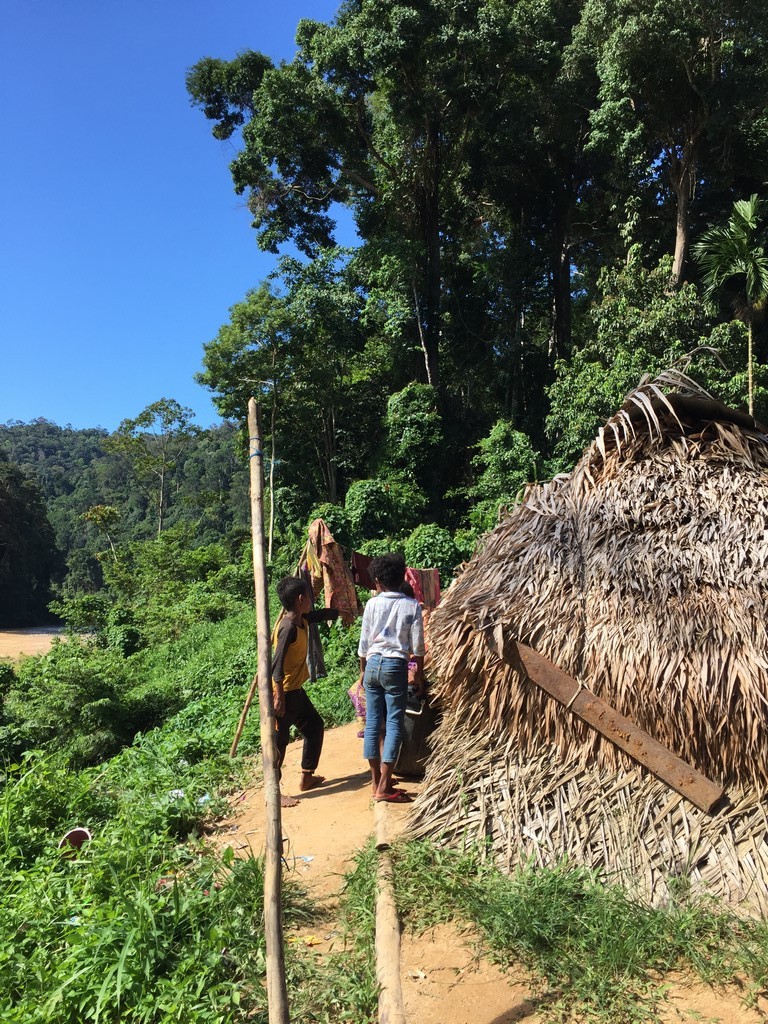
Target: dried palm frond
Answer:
[[643, 574], [631, 828]]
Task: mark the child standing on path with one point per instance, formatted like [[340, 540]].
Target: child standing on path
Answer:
[[289, 673], [392, 631]]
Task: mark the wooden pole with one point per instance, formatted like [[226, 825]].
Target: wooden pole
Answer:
[[244, 715], [272, 476], [597, 713], [391, 1005], [277, 995]]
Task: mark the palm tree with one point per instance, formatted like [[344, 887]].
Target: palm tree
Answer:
[[737, 250]]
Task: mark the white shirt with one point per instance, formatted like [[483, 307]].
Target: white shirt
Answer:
[[392, 627]]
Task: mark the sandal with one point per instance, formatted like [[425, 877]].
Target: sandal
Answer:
[[398, 797]]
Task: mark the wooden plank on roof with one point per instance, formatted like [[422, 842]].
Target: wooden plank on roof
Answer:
[[597, 713]]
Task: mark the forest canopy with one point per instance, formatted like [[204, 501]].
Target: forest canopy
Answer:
[[491, 220], [528, 184]]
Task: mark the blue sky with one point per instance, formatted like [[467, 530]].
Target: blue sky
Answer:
[[122, 242]]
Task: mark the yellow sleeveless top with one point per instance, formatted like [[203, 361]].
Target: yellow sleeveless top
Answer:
[[295, 661]]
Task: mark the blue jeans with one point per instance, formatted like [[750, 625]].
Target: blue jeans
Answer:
[[386, 693]]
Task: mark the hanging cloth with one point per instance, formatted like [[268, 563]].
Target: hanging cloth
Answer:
[[311, 563], [426, 586], [337, 582], [360, 573]]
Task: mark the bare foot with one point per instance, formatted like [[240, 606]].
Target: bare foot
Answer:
[[309, 781], [288, 801]]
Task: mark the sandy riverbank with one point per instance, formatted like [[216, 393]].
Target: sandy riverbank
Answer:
[[16, 643]]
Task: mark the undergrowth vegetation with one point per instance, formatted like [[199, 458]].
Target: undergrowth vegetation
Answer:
[[147, 923], [150, 924]]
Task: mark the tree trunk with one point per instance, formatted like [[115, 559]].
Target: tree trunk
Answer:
[[682, 177], [161, 502], [562, 303], [327, 455], [430, 333], [749, 363], [272, 475], [514, 370], [682, 232], [560, 338]]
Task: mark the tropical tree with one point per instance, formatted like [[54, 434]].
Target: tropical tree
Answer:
[[682, 92], [427, 121], [302, 349], [738, 249], [153, 443], [636, 326], [28, 555], [104, 518]]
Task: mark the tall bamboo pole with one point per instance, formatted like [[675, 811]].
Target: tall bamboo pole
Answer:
[[277, 995], [272, 476]]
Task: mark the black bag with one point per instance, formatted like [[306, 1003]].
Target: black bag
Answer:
[[421, 720]]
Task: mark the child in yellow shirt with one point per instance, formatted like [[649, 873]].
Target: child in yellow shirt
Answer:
[[289, 673]]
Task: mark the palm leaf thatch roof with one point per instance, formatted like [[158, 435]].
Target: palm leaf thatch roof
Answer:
[[643, 574]]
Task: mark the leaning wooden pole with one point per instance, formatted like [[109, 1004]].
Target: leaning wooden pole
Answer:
[[277, 995]]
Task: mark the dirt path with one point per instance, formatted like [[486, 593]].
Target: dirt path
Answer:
[[444, 979], [330, 823], [16, 643]]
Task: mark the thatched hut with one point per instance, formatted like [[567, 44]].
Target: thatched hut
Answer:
[[644, 575]]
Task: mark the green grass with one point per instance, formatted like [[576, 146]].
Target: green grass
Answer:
[[343, 988], [596, 955], [147, 925]]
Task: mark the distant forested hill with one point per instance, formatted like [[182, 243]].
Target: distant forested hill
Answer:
[[76, 472]]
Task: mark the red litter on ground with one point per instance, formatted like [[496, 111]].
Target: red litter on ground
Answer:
[[71, 843]]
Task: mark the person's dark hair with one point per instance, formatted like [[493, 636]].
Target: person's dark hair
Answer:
[[389, 570], [289, 590], [407, 589]]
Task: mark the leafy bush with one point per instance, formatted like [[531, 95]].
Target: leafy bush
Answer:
[[506, 461], [158, 589], [137, 927], [383, 508], [72, 700], [466, 543], [7, 677], [639, 326], [414, 432], [430, 546], [381, 546], [86, 612]]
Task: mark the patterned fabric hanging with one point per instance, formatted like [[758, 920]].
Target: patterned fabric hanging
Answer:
[[337, 581]]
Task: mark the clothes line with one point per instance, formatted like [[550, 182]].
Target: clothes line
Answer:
[[425, 582]]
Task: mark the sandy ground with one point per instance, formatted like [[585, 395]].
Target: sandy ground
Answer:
[[445, 980], [16, 643]]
